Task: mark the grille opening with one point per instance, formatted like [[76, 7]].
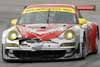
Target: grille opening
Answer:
[[39, 54]]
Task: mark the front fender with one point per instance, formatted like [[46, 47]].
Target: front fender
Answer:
[[80, 30], [5, 34]]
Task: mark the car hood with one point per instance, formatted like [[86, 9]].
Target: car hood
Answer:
[[42, 31]]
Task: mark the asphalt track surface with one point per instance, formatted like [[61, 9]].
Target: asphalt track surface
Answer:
[[11, 9]]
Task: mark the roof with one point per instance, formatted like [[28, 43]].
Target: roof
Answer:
[[46, 7]]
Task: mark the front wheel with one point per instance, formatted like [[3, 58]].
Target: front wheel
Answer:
[[96, 44], [84, 48]]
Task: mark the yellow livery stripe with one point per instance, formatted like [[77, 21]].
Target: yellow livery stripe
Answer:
[[42, 9]]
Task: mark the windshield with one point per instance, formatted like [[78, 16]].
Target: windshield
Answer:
[[47, 17]]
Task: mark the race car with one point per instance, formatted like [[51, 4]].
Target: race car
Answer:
[[50, 32]]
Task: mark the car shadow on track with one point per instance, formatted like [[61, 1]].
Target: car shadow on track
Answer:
[[41, 61]]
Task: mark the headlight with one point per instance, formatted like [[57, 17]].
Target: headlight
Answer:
[[12, 35], [69, 35]]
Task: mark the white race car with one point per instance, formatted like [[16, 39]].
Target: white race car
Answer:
[[50, 31]]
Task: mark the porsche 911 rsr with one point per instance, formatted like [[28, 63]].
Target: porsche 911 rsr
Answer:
[[50, 31]]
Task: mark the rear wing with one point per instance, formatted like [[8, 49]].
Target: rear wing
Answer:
[[86, 7]]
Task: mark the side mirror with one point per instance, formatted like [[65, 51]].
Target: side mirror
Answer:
[[13, 21], [82, 21]]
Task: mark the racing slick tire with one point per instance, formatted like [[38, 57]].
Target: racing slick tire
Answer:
[[84, 48], [96, 46], [97, 40]]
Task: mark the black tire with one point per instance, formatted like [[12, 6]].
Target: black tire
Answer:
[[96, 48], [84, 48], [97, 38], [96, 52]]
